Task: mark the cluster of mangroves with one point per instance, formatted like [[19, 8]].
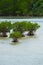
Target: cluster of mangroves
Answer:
[[18, 29]]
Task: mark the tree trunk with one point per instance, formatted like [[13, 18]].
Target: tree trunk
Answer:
[[23, 35], [15, 40], [30, 33], [4, 34]]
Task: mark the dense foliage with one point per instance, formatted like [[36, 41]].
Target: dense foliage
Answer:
[[5, 27], [25, 26], [32, 27], [18, 28], [15, 36], [21, 7]]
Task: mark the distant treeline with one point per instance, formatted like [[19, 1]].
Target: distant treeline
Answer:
[[21, 7]]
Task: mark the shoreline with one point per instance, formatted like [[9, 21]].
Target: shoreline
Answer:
[[19, 17]]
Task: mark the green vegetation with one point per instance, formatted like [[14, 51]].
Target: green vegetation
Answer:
[[21, 7], [18, 29], [15, 36], [25, 26], [4, 28], [32, 27]]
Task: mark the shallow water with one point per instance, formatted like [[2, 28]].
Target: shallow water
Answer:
[[29, 50], [30, 19]]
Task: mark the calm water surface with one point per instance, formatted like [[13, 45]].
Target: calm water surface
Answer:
[[29, 51]]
